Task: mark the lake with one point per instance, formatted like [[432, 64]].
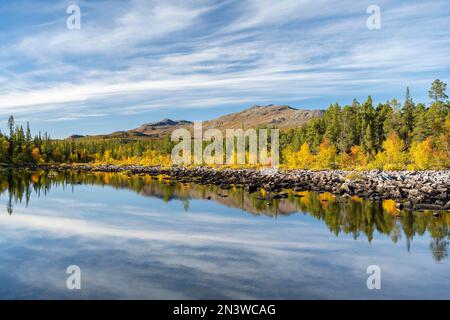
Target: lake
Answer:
[[150, 238]]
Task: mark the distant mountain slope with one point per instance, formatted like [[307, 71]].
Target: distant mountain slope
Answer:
[[282, 117], [161, 128]]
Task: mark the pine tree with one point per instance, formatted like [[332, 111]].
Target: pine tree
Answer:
[[348, 131], [368, 126], [356, 107], [11, 137], [368, 140], [407, 119], [27, 152], [333, 128], [437, 91], [383, 111], [420, 131]]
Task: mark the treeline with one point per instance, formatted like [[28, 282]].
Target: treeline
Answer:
[[387, 136], [19, 147]]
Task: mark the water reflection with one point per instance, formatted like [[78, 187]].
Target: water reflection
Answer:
[[353, 216]]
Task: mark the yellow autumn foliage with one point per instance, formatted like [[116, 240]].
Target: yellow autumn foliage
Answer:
[[392, 157], [422, 155], [304, 157], [326, 157]]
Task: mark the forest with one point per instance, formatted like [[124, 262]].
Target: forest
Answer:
[[390, 136]]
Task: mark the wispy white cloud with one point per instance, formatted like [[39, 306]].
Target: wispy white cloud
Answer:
[[147, 53]]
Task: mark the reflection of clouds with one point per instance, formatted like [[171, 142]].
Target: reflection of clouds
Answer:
[[66, 227], [158, 251]]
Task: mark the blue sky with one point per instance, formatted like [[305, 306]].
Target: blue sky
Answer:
[[139, 61]]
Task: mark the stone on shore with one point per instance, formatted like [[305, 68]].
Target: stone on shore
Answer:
[[419, 190]]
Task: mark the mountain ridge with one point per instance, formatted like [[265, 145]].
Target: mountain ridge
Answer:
[[283, 117]]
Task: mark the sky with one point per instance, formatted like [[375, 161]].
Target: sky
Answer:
[[134, 61]]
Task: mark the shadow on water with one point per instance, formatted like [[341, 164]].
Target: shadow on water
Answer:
[[353, 216]]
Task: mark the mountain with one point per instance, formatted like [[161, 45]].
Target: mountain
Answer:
[[161, 128], [282, 117]]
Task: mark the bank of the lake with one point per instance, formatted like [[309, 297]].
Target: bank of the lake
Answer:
[[413, 190]]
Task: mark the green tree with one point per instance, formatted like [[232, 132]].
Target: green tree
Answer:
[[11, 136], [382, 113], [407, 119], [333, 123], [393, 121], [4, 147], [28, 149], [368, 126], [437, 91], [348, 136], [420, 131]]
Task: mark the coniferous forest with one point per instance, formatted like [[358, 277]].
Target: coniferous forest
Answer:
[[394, 135], [388, 136]]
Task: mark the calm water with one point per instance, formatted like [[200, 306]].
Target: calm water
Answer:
[[137, 237]]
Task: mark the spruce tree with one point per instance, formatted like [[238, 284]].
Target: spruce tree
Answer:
[[407, 119]]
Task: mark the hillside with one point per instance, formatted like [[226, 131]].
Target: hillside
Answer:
[[282, 117]]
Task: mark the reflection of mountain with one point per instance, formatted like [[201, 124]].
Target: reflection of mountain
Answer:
[[349, 216]]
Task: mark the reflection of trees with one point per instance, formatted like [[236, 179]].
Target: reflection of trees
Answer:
[[438, 248], [349, 216]]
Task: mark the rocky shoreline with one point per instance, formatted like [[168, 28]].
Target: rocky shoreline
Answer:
[[412, 190]]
